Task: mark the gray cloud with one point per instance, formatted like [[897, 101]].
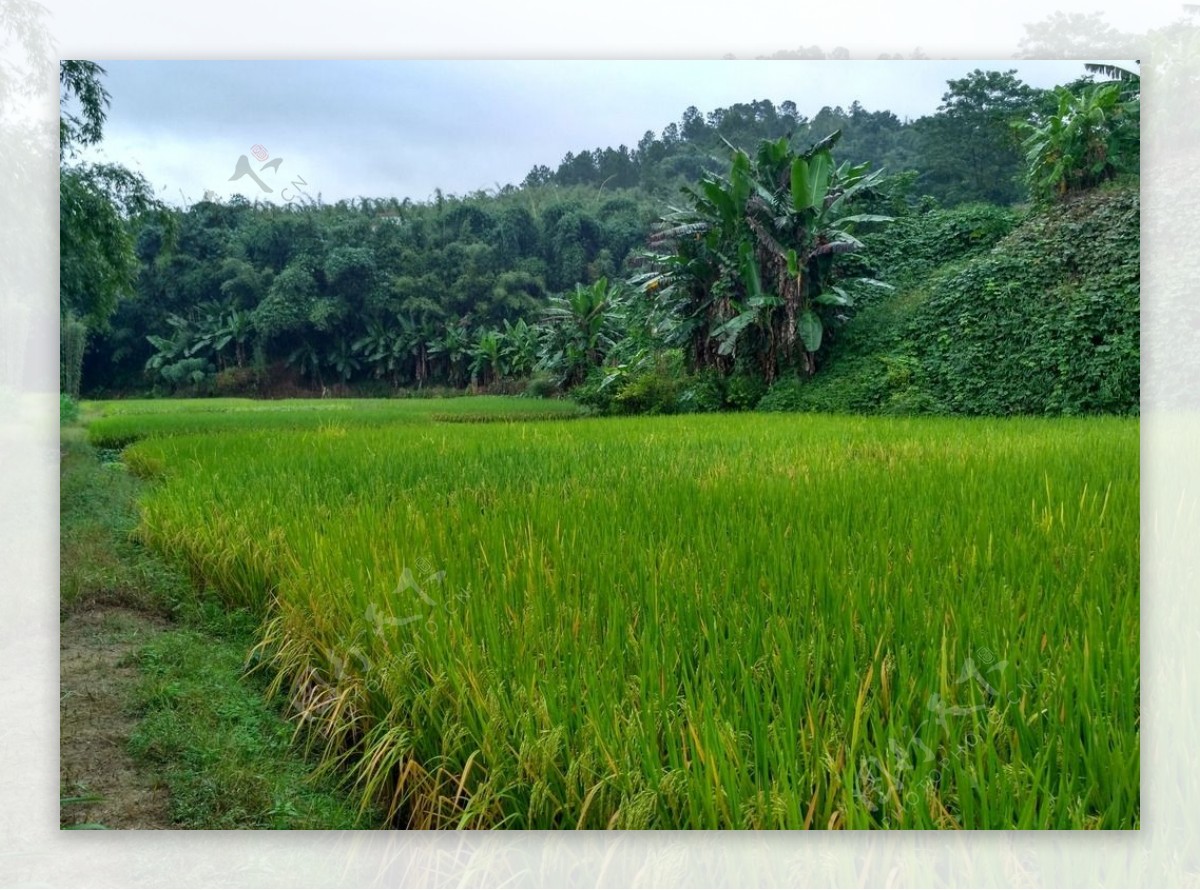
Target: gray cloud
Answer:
[[392, 128]]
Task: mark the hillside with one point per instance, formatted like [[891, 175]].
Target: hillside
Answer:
[[993, 315]]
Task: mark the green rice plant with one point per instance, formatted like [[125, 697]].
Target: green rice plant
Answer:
[[738, 621], [118, 424]]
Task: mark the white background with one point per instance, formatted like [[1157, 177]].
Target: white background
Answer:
[[32, 849]]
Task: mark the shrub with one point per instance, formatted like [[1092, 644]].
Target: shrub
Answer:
[[703, 393], [651, 383], [649, 392], [430, 392], [68, 409], [648, 384], [911, 401], [236, 382], [507, 386], [372, 389], [542, 385], [786, 394], [743, 391], [189, 374], [1043, 321], [596, 392]]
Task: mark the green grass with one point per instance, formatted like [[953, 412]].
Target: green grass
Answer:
[[98, 561], [224, 751], [692, 622], [221, 745]]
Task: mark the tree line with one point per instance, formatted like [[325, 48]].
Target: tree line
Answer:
[[963, 152], [577, 277]]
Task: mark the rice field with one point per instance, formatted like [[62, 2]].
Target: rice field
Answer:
[[117, 424], [734, 621]]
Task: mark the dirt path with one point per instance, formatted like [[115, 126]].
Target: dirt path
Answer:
[[96, 682]]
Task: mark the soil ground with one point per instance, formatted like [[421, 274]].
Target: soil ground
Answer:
[[96, 681]]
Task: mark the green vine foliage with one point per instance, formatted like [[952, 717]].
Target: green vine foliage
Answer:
[[1047, 322], [914, 247], [1044, 320]]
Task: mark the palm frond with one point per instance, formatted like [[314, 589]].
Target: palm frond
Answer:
[[1113, 72], [825, 144], [677, 232]]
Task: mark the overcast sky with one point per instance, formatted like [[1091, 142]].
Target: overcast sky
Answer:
[[402, 128]]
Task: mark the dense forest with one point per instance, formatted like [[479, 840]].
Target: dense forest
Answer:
[[982, 259]]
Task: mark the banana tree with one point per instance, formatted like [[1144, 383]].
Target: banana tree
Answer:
[[1091, 137], [580, 330], [217, 328], [799, 229], [169, 350], [239, 325], [309, 361], [343, 360], [487, 356], [375, 348], [378, 347], [1130, 82], [210, 335], [420, 334], [520, 347], [751, 260], [453, 345]]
